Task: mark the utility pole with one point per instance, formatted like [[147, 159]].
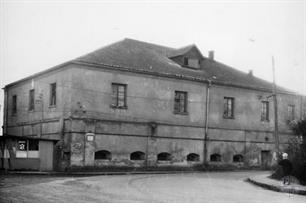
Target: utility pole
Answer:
[[275, 110]]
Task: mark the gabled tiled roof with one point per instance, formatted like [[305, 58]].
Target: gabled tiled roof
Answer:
[[181, 51], [151, 58]]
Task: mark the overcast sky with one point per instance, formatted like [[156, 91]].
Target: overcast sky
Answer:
[[36, 35]]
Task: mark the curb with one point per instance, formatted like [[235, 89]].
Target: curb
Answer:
[[277, 188]]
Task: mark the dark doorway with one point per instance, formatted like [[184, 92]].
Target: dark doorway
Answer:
[[266, 158]]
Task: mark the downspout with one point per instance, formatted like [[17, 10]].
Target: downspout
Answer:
[[206, 119], [5, 114]]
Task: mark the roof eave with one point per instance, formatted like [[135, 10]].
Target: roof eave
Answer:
[[37, 74]]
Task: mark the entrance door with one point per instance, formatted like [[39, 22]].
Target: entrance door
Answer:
[[46, 155], [266, 158]]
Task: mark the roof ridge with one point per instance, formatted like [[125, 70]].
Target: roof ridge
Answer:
[[148, 43]]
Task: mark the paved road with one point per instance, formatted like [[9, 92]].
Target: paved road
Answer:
[[176, 188]]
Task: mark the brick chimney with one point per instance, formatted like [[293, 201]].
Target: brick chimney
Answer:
[[211, 55], [250, 73]]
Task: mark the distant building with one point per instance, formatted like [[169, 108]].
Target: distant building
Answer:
[[136, 104]]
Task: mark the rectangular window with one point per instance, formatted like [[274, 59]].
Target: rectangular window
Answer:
[[31, 100], [180, 102], [228, 107], [119, 95], [264, 111], [53, 94], [27, 149], [185, 61], [291, 111], [14, 105]]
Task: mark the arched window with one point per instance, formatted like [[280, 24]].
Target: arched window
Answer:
[[103, 155], [164, 156], [238, 158], [137, 156], [193, 157], [215, 157]]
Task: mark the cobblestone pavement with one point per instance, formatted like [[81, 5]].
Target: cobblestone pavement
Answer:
[[155, 188]]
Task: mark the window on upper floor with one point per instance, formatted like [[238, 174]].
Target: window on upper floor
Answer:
[[119, 95], [185, 62], [291, 112], [53, 94], [191, 63], [264, 111], [228, 107], [14, 105], [180, 102], [31, 99]]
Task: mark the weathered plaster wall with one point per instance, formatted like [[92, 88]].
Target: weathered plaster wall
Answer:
[[148, 98], [179, 135], [28, 123]]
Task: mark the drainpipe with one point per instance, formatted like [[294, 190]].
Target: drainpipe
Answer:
[[5, 114], [206, 120]]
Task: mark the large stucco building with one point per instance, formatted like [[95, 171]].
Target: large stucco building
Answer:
[[138, 104]]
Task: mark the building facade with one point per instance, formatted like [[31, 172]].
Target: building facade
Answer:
[[140, 105]]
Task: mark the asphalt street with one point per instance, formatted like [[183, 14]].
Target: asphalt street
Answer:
[[156, 188]]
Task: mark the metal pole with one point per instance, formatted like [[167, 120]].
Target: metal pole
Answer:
[[275, 110]]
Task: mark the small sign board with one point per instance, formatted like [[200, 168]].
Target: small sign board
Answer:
[[90, 137], [22, 145]]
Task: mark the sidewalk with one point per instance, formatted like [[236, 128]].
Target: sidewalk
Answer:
[[276, 185]]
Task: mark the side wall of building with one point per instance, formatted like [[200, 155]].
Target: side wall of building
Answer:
[[151, 100], [39, 129]]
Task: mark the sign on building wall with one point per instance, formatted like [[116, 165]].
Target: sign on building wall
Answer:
[[90, 137]]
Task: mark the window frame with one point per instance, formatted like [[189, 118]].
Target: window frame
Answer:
[[264, 112], [115, 96], [226, 108], [103, 155], [31, 100], [185, 61], [14, 104], [29, 152], [53, 93], [291, 112], [215, 158], [193, 157], [137, 156], [177, 102]]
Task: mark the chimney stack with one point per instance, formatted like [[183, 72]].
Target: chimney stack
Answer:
[[250, 73], [211, 55]]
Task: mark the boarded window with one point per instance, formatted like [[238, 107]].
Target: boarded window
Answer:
[[31, 99], [215, 157], [14, 104], [137, 156], [228, 107], [164, 156], [27, 149], [180, 102], [238, 158], [119, 95], [103, 155], [291, 112], [53, 94], [193, 157], [264, 111]]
